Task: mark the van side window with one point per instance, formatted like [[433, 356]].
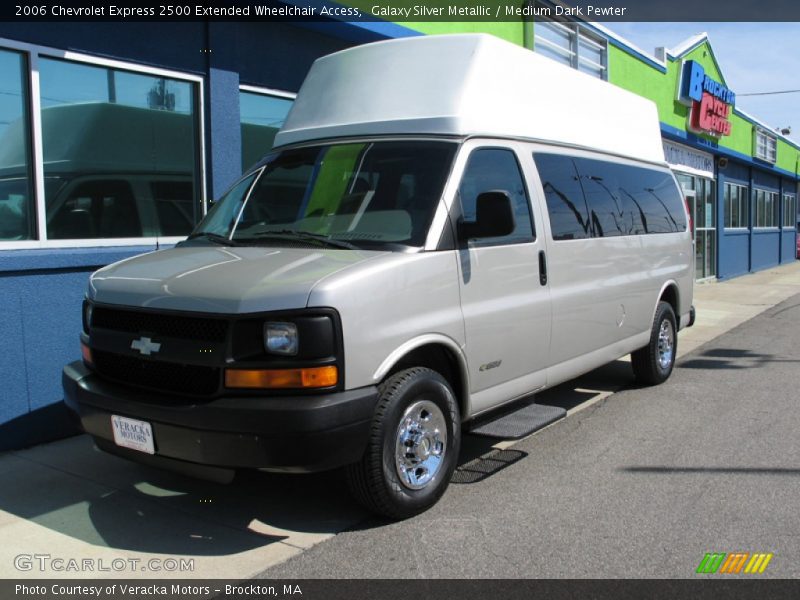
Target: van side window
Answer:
[[662, 202], [628, 200], [609, 189], [566, 205], [491, 169], [597, 198], [97, 209]]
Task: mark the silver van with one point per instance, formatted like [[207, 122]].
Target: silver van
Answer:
[[446, 226]]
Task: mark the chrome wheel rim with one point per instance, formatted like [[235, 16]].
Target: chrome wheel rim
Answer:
[[420, 444], [666, 344]]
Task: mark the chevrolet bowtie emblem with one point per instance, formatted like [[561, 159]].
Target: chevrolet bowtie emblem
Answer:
[[145, 346]]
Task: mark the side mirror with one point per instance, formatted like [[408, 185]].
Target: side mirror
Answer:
[[494, 217]]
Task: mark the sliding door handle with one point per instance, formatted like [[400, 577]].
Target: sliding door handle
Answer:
[[542, 268]]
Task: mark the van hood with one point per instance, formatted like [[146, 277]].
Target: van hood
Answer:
[[221, 279]]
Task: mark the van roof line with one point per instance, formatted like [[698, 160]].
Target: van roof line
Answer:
[[468, 84]]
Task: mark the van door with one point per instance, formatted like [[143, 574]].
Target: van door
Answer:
[[608, 259], [505, 303]]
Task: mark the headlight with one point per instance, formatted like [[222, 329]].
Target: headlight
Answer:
[[88, 307], [281, 338]]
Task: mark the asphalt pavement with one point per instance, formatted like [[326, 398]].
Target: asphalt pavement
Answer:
[[642, 483]]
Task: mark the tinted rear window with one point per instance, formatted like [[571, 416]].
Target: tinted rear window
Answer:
[[617, 199], [569, 216], [628, 200]]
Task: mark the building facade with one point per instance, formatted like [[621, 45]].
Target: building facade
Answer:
[[114, 136], [739, 175]]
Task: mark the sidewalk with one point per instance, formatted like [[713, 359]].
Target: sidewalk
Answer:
[[70, 501], [722, 305]]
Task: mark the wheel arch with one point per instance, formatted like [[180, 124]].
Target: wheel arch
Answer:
[[671, 295], [437, 352]]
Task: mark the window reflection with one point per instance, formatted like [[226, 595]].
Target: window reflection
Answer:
[[122, 148], [17, 214], [629, 200], [261, 117], [569, 218], [587, 197], [491, 169]]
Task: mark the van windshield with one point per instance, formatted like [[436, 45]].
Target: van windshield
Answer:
[[378, 195]]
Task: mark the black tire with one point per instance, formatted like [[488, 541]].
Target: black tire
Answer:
[[375, 481], [648, 366]]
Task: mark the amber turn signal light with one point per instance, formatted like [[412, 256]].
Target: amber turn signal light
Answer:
[[313, 377], [86, 353]]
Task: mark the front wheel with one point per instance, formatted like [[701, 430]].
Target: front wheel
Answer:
[[653, 364], [413, 447]]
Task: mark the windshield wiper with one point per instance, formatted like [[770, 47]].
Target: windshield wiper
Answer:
[[306, 236], [213, 237]]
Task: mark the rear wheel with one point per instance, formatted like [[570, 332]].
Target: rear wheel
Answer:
[[413, 446], [653, 364]]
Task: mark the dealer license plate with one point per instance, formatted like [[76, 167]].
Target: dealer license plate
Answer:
[[133, 434]]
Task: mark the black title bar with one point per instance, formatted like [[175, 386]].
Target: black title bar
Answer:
[[700, 588], [401, 11]]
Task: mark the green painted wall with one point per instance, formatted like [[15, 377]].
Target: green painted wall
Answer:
[[509, 31], [631, 73], [640, 78]]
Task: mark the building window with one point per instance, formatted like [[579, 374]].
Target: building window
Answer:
[[261, 116], [120, 152], [17, 212], [789, 210], [572, 45], [766, 208], [765, 146], [96, 149], [737, 207]]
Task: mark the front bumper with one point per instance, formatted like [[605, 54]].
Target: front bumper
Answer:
[[290, 433]]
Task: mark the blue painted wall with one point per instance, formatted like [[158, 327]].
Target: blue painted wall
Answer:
[[742, 251], [40, 298], [223, 132], [766, 248], [788, 245], [766, 181], [733, 253]]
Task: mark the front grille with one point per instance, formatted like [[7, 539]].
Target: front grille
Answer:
[[191, 380], [202, 329]]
